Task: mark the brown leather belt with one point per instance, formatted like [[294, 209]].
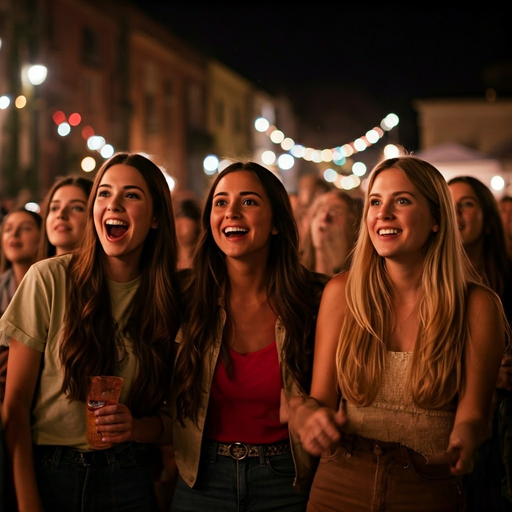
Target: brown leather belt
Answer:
[[240, 451]]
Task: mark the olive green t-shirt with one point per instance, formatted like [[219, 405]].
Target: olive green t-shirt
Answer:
[[35, 317]]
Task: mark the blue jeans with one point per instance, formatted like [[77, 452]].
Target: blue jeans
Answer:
[[254, 484], [117, 479]]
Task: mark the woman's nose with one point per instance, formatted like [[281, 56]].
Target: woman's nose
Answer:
[[63, 213], [385, 212], [232, 212], [115, 204]]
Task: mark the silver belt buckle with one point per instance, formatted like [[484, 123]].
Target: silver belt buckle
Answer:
[[238, 451]]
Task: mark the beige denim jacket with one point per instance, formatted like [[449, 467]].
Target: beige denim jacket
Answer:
[[188, 439]]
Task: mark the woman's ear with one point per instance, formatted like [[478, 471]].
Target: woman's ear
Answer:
[[435, 228], [154, 223], [275, 231]]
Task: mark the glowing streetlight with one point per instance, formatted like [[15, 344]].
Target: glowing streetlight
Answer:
[[36, 74]]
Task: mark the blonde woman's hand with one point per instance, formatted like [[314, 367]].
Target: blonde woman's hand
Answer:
[[461, 450], [115, 422], [318, 426]]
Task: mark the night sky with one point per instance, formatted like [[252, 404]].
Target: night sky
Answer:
[[345, 68]]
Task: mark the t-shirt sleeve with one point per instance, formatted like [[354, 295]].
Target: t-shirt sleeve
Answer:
[[27, 317]]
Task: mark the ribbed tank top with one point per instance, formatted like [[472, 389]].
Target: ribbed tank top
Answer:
[[394, 417]]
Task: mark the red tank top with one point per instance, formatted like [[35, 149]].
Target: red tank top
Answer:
[[244, 406]]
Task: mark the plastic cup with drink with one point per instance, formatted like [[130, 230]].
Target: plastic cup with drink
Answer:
[[103, 390]]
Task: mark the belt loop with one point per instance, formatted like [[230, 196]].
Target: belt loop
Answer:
[[263, 459], [352, 442], [111, 457], [57, 454], [214, 446]]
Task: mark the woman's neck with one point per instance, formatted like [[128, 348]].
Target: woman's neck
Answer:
[[247, 280], [120, 271]]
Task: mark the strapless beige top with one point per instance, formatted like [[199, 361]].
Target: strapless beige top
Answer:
[[394, 417]]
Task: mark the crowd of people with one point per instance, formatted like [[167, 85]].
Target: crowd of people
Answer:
[[315, 351]]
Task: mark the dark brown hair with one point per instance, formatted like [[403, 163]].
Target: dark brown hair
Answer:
[[289, 290], [496, 261], [89, 332]]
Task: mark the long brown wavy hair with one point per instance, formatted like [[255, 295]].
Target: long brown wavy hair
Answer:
[[89, 332], [289, 289], [435, 374]]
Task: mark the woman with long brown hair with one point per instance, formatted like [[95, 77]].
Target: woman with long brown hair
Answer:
[[249, 316], [64, 215], [109, 308]]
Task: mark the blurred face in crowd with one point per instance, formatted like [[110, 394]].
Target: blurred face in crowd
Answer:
[[331, 215], [470, 217], [20, 238], [66, 218]]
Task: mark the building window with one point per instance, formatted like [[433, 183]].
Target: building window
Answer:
[[195, 106], [90, 48]]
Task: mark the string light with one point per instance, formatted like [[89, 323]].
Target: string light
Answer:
[[338, 154]]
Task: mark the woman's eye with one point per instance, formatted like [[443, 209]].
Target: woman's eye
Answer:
[[220, 202], [374, 202], [80, 209], [403, 200], [132, 195], [103, 193]]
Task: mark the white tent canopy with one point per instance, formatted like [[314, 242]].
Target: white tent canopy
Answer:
[[454, 159]]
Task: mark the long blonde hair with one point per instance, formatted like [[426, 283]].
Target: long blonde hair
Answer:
[[435, 373]]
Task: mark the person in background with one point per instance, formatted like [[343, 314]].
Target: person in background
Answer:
[[310, 187], [505, 205], [20, 233], [334, 219], [64, 215], [248, 331], [403, 370], [188, 228], [109, 308], [481, 228]]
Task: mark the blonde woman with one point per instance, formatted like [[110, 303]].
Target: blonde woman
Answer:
[[407, 352]]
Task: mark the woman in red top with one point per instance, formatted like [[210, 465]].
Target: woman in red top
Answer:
[[250, 317]]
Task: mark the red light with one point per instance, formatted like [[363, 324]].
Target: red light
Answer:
[[59, 117], [87, 132], [75, 119]]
